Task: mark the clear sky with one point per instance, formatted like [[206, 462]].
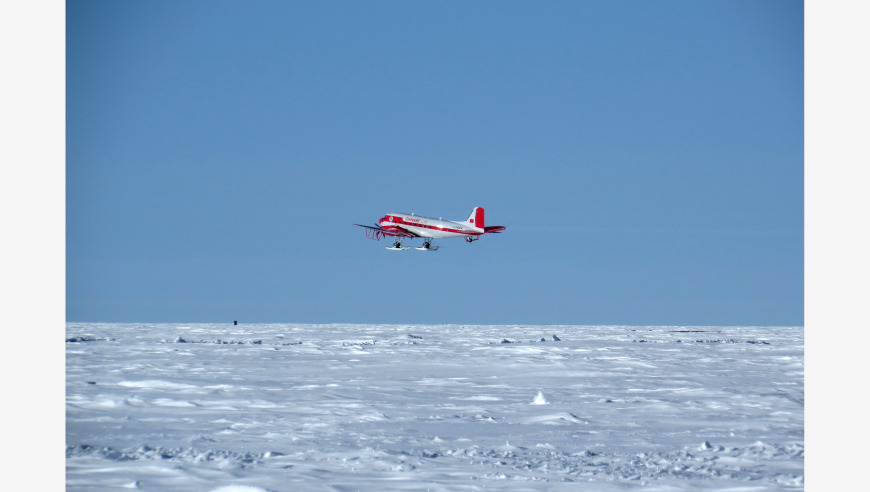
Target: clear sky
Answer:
[[647, 159]]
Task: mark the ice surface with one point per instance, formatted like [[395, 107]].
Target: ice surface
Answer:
[[218, 407]]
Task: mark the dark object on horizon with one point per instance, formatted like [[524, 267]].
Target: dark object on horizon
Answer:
[[235, 323]]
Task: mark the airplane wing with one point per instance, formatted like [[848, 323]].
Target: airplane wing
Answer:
[[392, 231]]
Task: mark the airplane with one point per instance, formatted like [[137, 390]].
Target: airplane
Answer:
[[404, 226]]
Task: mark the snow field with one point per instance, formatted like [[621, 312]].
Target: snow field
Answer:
[[438, 407]]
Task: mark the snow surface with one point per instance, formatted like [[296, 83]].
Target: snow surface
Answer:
[[274, 407]]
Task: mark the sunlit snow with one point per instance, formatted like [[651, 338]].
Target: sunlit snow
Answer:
[[274, 407]]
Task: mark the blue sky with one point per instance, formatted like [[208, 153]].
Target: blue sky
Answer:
[[646, 158]]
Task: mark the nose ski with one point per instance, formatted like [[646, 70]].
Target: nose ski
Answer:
[[397, 246]]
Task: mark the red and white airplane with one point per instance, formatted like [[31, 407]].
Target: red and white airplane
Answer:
[[402, 226]]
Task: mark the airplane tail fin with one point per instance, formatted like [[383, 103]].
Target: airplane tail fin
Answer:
[[476, 218]]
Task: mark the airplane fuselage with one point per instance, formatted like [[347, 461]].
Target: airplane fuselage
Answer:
[[427, 226], [403, 226]]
